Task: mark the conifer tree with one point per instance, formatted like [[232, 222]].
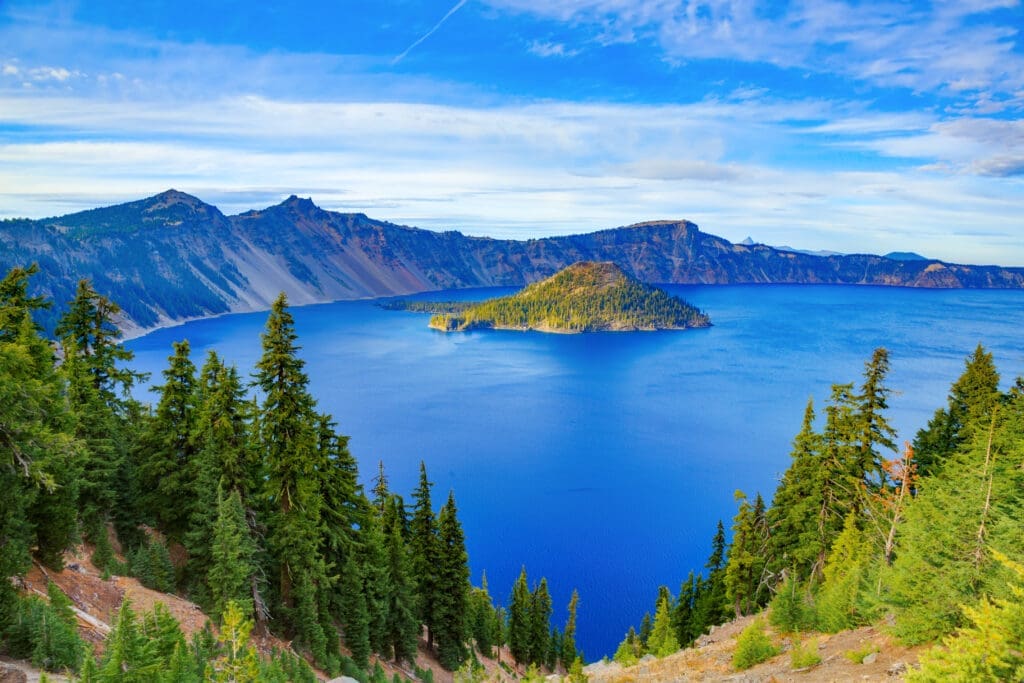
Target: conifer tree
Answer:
[[354, 617], [401, 620], [482, 617], [969, 409], [453, 588], [288, 446], [743, 569], [874, 431], [97, 383], [837, 601], [424, 544], [540, 617], [167, 467], [519, 622], [233, 555], [794, 542], [568, 654], [662, 641], [376, 586]]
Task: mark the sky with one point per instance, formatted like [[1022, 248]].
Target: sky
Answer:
[[846, 125]]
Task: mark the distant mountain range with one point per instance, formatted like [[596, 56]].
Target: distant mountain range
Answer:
[[172, 257]]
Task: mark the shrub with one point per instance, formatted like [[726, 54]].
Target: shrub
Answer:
[[857, 656], [790, 610], [753, 647], [804, 655]]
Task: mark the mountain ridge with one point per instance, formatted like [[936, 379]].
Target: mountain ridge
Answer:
[[172, 257]]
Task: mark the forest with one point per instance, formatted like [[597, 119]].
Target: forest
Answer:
[[257, 491], [926, 537], [585, 297]]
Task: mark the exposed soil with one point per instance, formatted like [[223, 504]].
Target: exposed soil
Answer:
[[711, 659]]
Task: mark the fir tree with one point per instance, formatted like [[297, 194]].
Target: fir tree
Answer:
[[569, 635], [402, 626], [355, 619], [288, 446], [519, 626], [423, 542], [662, 641], [540, 618], [453, 588], [376, 586], [233, 555], [167, 467]]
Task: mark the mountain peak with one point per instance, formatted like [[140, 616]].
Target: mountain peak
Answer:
[[171, 197], [296, 203]]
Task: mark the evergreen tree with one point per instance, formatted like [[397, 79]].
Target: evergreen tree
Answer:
[[129, 656], [794, 542], [873, 428], [354, 617], [972, 399], [97, 383], [662, 641], [424, 544], [402, 626], [482, 618], [288, 446], [453, 589], [569, 652], [837, 601], [376, 586], [646, 627], [743, 569], [167, 468], [233, 555], [519, 622], [540, 618]]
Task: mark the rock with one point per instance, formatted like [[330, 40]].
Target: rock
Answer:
[[897, 669], [11, 674], [870, 659], [343, 679], [647, 658]]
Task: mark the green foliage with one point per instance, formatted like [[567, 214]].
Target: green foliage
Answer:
[[451, 608], [858, 656], [745, 566], [804, 655], [990, 647], [233, 556], [583, 297], [519, 629], [753, 647], [151, 565], [662, 641], [569, 655], [45, 633], [629, 650], [791, 611], [837, 600]]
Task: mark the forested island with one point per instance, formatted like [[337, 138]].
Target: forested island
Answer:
[[585, 297]]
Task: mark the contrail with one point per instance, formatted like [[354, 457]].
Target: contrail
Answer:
[[429, 33]]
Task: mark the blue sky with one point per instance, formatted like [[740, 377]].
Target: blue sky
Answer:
[[821, 124]]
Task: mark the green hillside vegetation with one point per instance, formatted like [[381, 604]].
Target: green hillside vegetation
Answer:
[[926, 538], [259, 490], [585, 297]]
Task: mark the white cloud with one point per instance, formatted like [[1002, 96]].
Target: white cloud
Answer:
[[546, 49]]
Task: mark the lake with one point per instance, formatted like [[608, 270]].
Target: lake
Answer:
[[604, 461]]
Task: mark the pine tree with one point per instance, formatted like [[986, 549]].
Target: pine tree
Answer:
[[376, 586], [423, 542], [662, 641], [129, 657], [971, 401], [837, 600], [354, 617], [743, 569], [288, 446], [402, 626], [540, 617], [873, 428], [453, 589], [167, 466], [794, 543], [519, 619], [569, 652], [482, 618], [233, 555]]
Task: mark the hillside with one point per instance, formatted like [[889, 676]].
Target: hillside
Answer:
[[585, 297], [172, 257]]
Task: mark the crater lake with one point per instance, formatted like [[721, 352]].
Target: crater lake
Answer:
[[604, 461]]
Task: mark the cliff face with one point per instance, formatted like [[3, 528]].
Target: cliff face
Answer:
[[172, 257]]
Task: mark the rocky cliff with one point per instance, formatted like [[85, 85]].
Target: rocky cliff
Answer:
[[172, 257]]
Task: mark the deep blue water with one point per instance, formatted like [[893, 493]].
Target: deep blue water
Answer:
[[603, 461]]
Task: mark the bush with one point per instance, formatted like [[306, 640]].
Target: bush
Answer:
[[804, 656], [753, 647], [42, 633], [791, 612], [857, 656]]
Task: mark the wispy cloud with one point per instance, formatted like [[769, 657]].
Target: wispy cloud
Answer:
[[546, 49], [455, 8]]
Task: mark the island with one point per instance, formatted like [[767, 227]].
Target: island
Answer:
[[584, 297]]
